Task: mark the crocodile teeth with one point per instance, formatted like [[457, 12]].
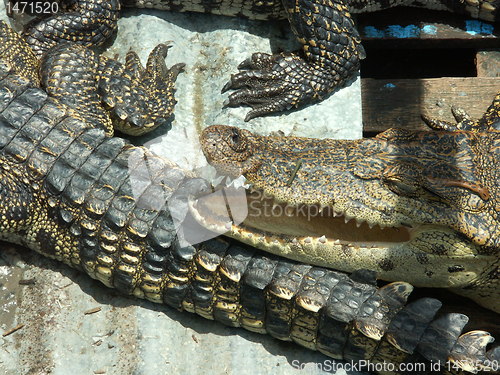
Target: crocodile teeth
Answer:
[[358, 224], [336, 242], [348, 218], [308, 240], [294, 241], [322, 239], [228, 225]]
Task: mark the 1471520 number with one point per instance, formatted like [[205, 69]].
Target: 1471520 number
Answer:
[[32, 7]]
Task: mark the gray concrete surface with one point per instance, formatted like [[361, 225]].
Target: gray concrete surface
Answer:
[[127, 336]]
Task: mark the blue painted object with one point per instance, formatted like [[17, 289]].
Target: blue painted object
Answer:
[[397, 31], [394, 31], [475, 27], [429, 29], [373, 32]]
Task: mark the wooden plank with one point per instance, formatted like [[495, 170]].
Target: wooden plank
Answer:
[[404, 26], [488, 63], [399, 103]]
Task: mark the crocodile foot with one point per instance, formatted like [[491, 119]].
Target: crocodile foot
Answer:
[[462, 118], [124, 89], [87, 22], [490, 121], [106, 93], [275, 83]]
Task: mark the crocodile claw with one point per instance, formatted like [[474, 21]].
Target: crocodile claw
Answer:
[[275, 83], [141, 99], [460, 114], [488, 122], [246, 64], [462, 118]]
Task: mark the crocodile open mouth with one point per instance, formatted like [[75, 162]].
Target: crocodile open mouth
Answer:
[[325, 237], [261, 216], [315, 222]]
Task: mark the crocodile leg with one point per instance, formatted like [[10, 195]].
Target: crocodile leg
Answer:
[[88, 22], [330, 56], [490, 121], [138, 100]]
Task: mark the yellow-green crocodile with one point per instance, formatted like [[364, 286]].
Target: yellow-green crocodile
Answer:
[[422, 206]]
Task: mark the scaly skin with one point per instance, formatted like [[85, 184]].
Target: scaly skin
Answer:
[[331, 46], [137, 99], [436, 193], [75, 194]]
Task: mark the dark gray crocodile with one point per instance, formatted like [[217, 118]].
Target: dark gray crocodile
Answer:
[[72, 192], [331, 46]]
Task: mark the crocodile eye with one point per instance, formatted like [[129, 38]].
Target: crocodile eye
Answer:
[[235, 137], [236, 140]]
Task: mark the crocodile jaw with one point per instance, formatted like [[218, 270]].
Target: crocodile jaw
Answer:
[[457, 268], [335, 241], [399, 178]]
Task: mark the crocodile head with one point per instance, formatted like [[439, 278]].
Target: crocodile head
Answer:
[[415, 206]]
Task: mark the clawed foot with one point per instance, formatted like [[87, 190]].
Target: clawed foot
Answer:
[[141, 99], [462, 118], [274, 83], [490, 121]]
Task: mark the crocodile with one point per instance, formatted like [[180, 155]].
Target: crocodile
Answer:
[[417, 205], [329, 58], [70, 191]]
